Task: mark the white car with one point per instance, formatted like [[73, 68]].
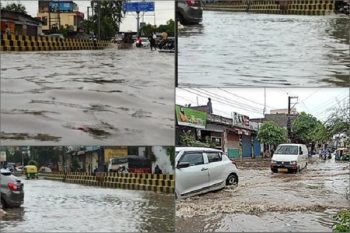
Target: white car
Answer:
[[289, 158], [200, 170]]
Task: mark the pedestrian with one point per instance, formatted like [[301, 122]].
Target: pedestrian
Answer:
[[152, 39], [210, 106], [157, 170], [7, 30]]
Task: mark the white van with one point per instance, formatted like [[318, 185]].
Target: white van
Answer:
[[119, 164], [289, 158]]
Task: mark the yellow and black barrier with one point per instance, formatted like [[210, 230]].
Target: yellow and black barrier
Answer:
[[297, 7], [44, 43], [135, 181]]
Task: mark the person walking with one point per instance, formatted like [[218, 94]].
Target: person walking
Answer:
[[152, 40]]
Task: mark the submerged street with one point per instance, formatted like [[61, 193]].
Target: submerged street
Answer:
[[243, 49], [264, 201], [95, 97], [51, 206]]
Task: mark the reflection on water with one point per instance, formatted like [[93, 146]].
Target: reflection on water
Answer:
[[57, 206], [242, 49], [95, 97]]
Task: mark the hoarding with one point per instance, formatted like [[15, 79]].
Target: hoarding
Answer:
[[2, 156], [57, 6], [240, 120], [190, 117], [138, 6]]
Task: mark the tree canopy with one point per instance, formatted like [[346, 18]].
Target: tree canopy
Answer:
[[270, 133], [109, 12], [306, 129], [17, 7]]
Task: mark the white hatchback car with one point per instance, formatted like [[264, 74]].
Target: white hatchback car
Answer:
[[200, 170]]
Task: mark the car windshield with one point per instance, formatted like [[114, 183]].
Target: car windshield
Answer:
[[5, 172], [287, 149]]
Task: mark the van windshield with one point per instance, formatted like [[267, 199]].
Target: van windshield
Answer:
[[290, 150], [119, 161]]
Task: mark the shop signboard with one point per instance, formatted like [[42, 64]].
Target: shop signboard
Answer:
[[190, 117], [240, 120]]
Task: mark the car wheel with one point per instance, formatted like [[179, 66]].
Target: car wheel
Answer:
[[232, 179]]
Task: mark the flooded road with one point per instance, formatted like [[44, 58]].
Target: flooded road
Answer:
[[271, 202], [87, 97], [55, 206], [243, 49]]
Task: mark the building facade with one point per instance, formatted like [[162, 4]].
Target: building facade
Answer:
[[20, 24]]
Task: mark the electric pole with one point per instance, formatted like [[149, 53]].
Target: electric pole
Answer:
[[290, 107]]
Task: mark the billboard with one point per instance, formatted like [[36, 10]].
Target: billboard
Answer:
[[190, 117], [58, 6], [240, 120], [138, 6], [2, 156]]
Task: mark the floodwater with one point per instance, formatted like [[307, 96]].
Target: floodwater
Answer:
[[244, 49], [90, 97], [51, 206], [264, 201]]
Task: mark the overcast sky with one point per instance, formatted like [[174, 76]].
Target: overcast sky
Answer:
[[250, 101], [164, 10]]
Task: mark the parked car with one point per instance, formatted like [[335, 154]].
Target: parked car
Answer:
[[11, 188], [289, 158], [200, 170], [189, 12], [45, 169], [59, 36]]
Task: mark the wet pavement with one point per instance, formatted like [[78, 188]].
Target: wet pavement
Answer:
[[52, 206], [264, 201], [243, 49], [89, 97]]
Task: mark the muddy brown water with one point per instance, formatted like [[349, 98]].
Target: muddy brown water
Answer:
[[53, 206], [87, 97], [271, 202], [245, 49]]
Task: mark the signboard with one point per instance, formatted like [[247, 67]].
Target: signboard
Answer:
[[115, 153], [56, 6], [240, 120], [138, 6], [2, 156], [190, 117]]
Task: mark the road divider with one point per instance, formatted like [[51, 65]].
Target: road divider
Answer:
[[295, 7], [135, 181], [44, 43]]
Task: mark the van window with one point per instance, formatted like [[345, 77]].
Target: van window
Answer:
[[119, 161], [193, 158], [287, 149], [214, 157]]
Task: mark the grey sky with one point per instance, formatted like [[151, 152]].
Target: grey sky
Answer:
[[316, 101], [164, 10]]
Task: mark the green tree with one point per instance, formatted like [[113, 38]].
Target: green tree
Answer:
[[187, 139], [271, 134], [304, 128], [16, 7], [338, 121], [107, 17]]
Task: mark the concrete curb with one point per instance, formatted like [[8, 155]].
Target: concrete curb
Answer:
[[40, 43], [291, 7], [133, 181]]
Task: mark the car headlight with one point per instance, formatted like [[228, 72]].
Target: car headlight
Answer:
[[293, 162]]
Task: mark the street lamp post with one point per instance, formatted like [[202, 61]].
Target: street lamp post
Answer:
[[138, 22]]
